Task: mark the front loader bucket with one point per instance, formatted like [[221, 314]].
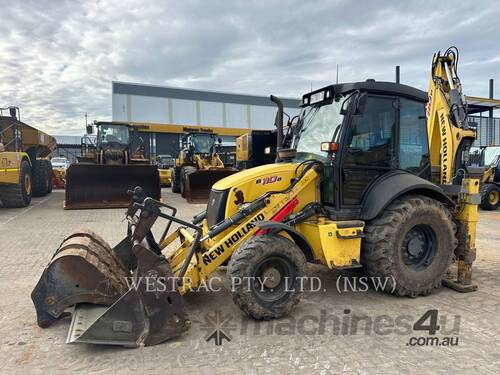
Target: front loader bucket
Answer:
[[83, 269], [106, 186], [198, 184], [85, 272]]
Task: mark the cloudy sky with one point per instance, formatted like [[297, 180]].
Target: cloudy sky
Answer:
[[58, 58]]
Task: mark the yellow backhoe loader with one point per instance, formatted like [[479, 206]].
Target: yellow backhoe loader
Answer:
[[198, 166], [372, 180], [25, 169], [108, 169], [490, 182]]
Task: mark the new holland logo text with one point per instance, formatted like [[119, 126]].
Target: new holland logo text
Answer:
[[444, 148], [268, 180], [231, 241]]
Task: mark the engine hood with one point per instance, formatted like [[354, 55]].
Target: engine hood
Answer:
[[253, 174], [246, 186]]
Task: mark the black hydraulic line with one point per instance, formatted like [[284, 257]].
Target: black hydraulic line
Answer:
[[167, 228], [199, 217], [234, 219], [194, 246]]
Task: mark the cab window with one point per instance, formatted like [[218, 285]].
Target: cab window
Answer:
[[413, 142], [371, 138]]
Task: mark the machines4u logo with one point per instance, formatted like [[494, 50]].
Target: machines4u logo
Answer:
[[267, 180], [218, 327]]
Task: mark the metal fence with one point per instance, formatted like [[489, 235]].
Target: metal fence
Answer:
[[488, 131]]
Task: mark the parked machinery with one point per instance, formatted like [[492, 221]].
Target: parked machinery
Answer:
[[109, 168], [165, 164], [59, 167], [25, 170], [257, 147], [368, 182], [490, 182], [198, 166]]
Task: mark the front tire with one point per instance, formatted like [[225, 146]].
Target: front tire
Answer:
[[18, 195], [264, 274], [490, 197], [410, 246]]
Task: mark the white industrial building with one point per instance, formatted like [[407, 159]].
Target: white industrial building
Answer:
[[171, 111]]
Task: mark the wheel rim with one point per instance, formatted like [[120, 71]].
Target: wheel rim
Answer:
[[493, 197], [27, 184], [273, 279], [419, 247]]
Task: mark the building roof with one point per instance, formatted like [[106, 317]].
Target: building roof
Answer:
[[191, 94], [477, 104]]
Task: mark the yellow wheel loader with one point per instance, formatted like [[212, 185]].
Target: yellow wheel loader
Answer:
[[25, 169], [165, 164], [490, 184], [372, 180], [108, 169], [198, 166]]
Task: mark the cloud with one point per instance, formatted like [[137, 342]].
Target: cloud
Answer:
[[58, 58]]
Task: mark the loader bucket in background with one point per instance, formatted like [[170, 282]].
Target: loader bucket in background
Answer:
[[106, 186], [198, 184]]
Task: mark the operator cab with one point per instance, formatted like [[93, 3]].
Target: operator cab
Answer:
[[361, 131], [113, 134], [200, 143]]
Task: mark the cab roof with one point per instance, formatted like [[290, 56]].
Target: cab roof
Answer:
[[379, 87]]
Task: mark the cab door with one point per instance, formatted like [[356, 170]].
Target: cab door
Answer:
[[369, 150]]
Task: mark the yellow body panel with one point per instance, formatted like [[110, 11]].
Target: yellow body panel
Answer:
[[249, 184], [242, 149], [332, 244], [9, 166], [165, 177]]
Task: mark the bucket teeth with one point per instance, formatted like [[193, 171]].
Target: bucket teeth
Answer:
[[83, 269]]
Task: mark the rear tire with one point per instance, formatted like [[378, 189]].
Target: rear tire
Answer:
[[176, 186], [410, 246], [276, 258], [18, 195], [50, 174], [41, 180], [490, 196]]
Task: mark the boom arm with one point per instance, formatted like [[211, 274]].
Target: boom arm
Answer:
[[447, 127], [450, 139]]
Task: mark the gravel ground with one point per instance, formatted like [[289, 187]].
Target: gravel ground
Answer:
[[320, 336]]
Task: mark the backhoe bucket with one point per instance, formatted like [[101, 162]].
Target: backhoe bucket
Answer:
[[85, 272], [106, 186], [198, 184]]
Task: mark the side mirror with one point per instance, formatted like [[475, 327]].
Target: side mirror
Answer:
[[329, 147], [13, 112], [219, 140], [90, 129]]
